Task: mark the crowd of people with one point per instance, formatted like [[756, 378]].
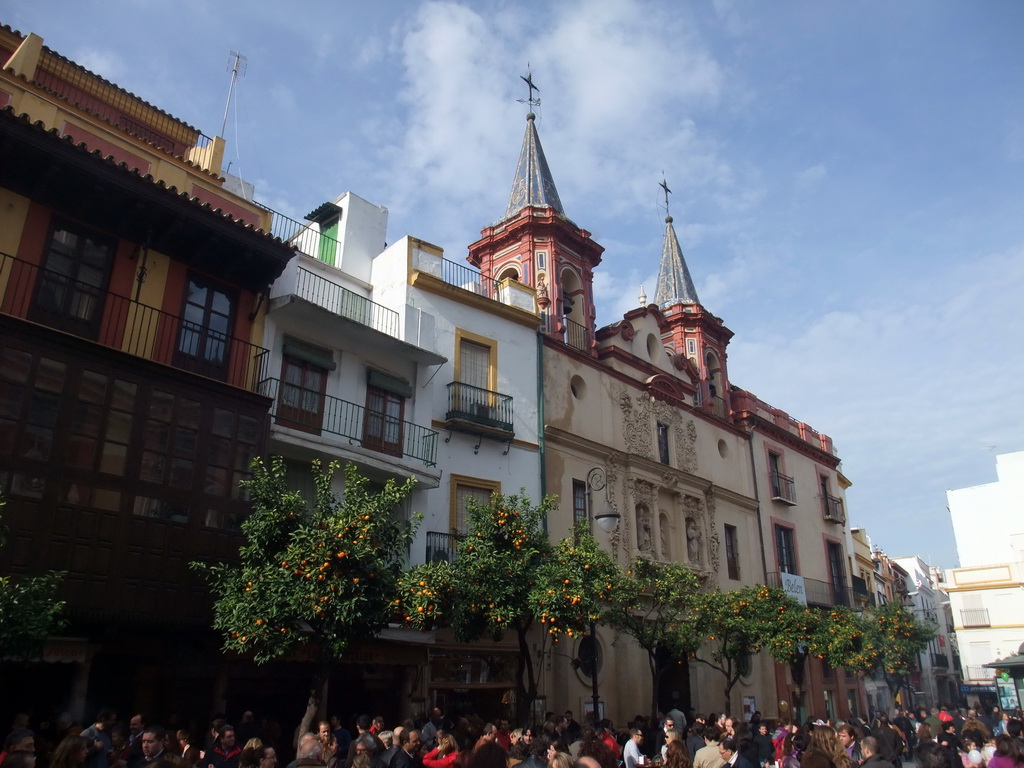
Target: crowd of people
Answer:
[[940, 739]]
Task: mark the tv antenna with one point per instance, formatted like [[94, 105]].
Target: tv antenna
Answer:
[[237, 65]]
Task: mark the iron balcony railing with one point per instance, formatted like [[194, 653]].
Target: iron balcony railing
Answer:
[[479, 406], [817, 592], [782, 487], [55, 300], [468, 279], [317, 413], [441, 547], [832, 508], [577, 335], [975, 617], [977, 672], [341, 301], [115, 105], [308, 240], [718, 407]]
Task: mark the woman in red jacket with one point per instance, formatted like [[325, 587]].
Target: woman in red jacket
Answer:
[[444, 754]]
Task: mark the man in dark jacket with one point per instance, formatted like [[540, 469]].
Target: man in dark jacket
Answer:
[[227, 751], [407, 755], [869, 750]]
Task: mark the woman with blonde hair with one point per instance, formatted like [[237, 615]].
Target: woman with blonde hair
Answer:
[[70, 753], [825, 750], [444, 754]]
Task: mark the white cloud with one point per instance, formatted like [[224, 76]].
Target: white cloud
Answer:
[[905, 386], [810, 177]]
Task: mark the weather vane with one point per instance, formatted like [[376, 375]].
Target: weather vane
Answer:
[[664, 186], [533, 102]]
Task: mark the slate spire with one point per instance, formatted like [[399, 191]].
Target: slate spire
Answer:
[[675, 286], [533, 184]]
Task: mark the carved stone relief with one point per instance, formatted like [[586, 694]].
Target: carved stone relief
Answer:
[[713, 542], [685, 434], [636, 424]]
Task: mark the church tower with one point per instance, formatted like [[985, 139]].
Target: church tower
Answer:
[[692, 330], [536, 244]]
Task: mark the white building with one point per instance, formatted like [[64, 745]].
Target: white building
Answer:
[[939, 682], [985, 592]]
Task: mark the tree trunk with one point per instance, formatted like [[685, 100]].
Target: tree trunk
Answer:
[[527, 693], [655, 684], [318, 686]]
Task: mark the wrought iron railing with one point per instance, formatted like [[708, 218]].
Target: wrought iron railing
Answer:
[[115, 105], [468, 279], [718, 407], [479, 406], [318, 413], [975, 617], [782, 487], [832, 508], [341, 301], [308, 240], [441, 547], [89, 312], [817, 592], [577, 335]]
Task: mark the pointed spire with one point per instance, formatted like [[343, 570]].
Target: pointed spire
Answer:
[[675, 286], [533, 184]]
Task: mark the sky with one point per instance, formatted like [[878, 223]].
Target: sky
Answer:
[[846, 178]]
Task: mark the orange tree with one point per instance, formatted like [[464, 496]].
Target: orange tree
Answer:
[[737, 624], [323, 577], [29, 610], [657, 605], [574, 586], [896, 637], [488, 590]]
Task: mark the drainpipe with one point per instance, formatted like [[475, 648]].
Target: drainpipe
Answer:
[[540, 418], [757, 498]]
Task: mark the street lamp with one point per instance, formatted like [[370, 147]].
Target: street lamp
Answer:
[[607, 519]]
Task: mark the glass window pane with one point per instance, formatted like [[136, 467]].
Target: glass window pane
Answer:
[[113, 459]]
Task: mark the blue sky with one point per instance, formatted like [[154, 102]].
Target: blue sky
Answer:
[[847, 178]]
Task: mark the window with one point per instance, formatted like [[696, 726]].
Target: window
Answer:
[[580, 510], [837, 573], [303, 386], [732, 559], [781, 484], [663, 443], [205, 335], [383, 428], [785, 550], [464, 491], [102, 424], [475, 370], [72, 283]]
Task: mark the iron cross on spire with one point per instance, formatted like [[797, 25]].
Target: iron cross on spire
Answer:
[[664, 186], [533, 102]]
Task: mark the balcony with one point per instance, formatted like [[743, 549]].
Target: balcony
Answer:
[[824, 594], [782, 488], [577, 336], [468, 279], [718, 407], [862, 596], [317, 414], [832, 509], [307, 239], [340, 301], [441, 547], [939, 660], [974, 617], [54, 300], [479, 411], [980, 673]]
